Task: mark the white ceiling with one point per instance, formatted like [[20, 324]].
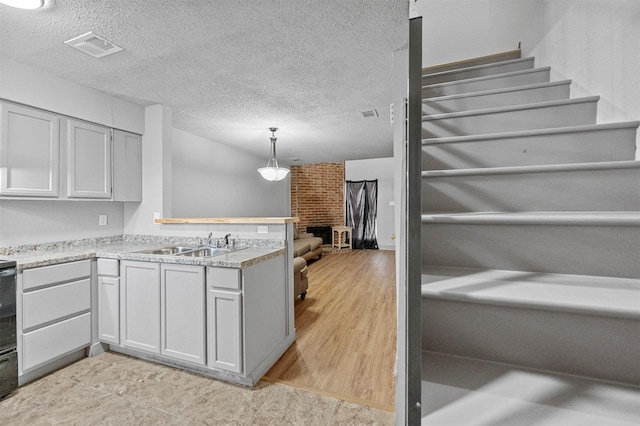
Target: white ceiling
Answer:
[[229, 69]]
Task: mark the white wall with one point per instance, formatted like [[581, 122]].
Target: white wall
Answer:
[[383, 170], [454, 30], [596, 44], [215, 180], [24, 84], [34, 222], [156, 174]]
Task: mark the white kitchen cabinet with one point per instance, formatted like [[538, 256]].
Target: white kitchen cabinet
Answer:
[[224, 321], [46, 344], [88, 160], [109, 310], [182, 313], [29, 152], [55, 312], [109, 301], [140, 305], [224, 329], [127, 166]]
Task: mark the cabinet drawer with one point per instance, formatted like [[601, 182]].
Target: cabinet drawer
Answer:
[[52, 303], [224, 278], [108, 267], [38, 277], [48, 343]]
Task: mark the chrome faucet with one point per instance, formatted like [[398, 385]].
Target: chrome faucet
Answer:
[[209, 238], [226, 240]]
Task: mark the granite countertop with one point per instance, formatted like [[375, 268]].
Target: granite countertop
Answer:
[[239, 258]]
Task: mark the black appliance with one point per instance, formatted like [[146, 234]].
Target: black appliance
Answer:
[[8, 338]]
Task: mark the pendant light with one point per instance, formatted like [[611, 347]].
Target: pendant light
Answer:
[[272, 172]]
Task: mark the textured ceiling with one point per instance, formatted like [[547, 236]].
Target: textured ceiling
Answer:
[[230, 69]]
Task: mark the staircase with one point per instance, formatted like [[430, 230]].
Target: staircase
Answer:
[[530, 224]]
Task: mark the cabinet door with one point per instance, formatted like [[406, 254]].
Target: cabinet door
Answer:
[[183, 312], [109, 310], [44, 344], [88, 160], [140, 305], [224, 329], [127, 166], [29, 151]]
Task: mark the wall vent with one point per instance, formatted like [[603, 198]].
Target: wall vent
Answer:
[[93, 45], [370, 113]]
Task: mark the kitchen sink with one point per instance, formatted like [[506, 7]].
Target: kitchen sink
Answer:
[[206, 251], [168, 250], [187, 251]]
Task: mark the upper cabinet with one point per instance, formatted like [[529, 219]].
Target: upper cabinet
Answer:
[[29, 152], [88, 160], [43, 154], [127, 166]]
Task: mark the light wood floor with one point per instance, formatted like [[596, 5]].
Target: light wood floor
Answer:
[[345, 330]]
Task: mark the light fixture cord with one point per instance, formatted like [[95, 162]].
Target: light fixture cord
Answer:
[[273, 150]]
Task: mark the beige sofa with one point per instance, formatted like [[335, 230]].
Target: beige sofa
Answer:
[[300, 280], [307, 246]]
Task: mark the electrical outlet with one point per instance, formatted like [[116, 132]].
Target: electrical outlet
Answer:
[[263, 229], [103, 220]]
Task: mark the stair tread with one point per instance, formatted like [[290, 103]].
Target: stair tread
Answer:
[[496, 91], [509, 108], [488, 77], [575, 293], [537, 218], [464, 391], [602, 165], [532, 132]]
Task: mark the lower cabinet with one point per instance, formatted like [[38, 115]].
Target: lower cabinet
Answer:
[[47, 343], [140, 305], [55, 313], [163, 309], [109, 309], [224, 329], [182, 315], [232, 322]]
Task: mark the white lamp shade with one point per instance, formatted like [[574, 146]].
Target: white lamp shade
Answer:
[[273, 174]]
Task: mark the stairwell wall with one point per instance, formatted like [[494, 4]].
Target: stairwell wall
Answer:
[[596, 44]]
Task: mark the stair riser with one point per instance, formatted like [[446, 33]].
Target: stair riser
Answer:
[[563, 148], [517, 97], [579, 249], [572, 343], [573, 114], [505, 56], [483, 71], [578, 190], [533, 77]]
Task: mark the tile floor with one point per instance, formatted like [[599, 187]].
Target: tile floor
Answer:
[[113, 389]]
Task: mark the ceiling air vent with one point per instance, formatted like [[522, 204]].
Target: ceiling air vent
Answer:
[[370, 113], [94, 45]]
